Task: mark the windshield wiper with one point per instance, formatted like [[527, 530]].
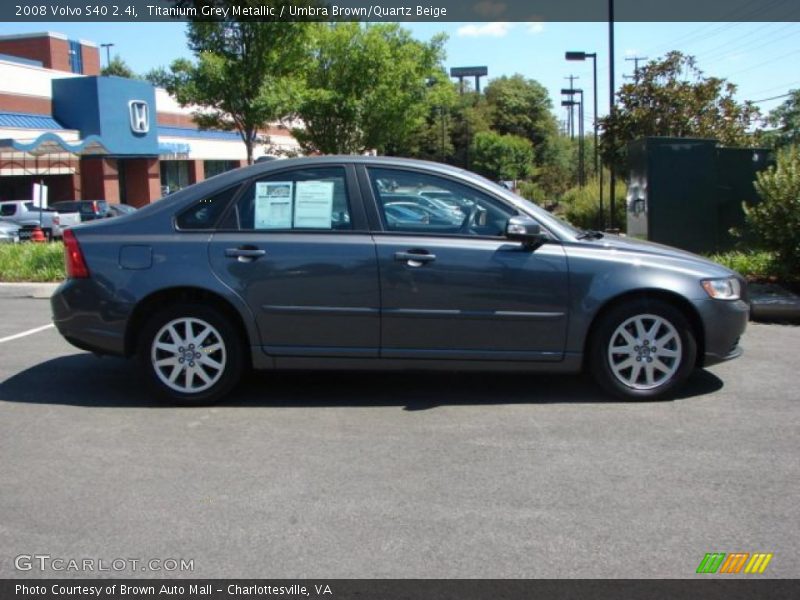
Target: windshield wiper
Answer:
[[590, 234]]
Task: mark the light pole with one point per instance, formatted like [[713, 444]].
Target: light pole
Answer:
[[597, 169], [108, 52]]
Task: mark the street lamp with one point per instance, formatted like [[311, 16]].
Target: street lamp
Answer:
[[580, 56], [108, 52]]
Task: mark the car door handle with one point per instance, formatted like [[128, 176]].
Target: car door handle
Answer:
[[414, 258], [245, 253]]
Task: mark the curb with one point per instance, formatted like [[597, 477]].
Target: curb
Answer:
[[40, 291], [771, 303]]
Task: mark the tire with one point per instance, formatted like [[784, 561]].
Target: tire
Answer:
[[181, 373], [632, 360]]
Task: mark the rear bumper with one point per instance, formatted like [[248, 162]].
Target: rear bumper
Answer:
[[724, 322], [88, 318]]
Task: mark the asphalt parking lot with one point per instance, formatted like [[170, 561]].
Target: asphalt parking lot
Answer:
[[396, 475]]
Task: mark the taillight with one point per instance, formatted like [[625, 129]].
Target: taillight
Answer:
[[56, 220], [73, 257]]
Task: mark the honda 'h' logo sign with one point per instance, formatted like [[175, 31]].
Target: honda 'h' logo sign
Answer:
[[140, 116]]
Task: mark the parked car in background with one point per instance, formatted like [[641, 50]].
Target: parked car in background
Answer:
[[258, 267], [9, 232], [118, 210], [28, 217], [430, 215], [89, 210]]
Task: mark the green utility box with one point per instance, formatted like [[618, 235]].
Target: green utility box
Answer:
[[688, 193]]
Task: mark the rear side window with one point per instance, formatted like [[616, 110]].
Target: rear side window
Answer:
[[297, 200], [8, 210], [205, 213]]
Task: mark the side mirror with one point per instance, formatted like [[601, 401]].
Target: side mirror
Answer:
[[525, 230]]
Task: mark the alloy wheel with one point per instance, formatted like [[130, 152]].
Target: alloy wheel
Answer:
[[188, 355], [645, 352]]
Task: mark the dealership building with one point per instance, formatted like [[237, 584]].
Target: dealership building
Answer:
[[90, 137]]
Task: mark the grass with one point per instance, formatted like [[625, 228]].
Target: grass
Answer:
[[32, 262]]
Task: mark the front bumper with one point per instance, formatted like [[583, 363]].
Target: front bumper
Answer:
[[724, 322]]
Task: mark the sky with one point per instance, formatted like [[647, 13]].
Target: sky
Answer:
[[760, 58]]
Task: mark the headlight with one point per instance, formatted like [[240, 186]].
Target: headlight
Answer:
[[723, 289]]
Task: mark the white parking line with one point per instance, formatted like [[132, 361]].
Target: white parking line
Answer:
[[24, 333]]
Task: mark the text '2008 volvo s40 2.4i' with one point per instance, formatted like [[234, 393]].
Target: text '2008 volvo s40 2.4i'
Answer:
[[379, 263]]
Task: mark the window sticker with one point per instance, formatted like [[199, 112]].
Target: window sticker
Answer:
[[273, 205], [314, 205]]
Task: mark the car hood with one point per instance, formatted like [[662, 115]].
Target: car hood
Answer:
[[661, 253]]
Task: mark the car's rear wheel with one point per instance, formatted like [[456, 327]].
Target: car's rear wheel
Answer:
[[642, 350], [191, 354]]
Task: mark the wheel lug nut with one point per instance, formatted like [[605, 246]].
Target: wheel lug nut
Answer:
[[636, 348], [180, 360], [191, 363], [638, 359], [197, 355], [180, 349]]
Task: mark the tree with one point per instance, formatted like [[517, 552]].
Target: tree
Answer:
[[243, 76], [671, 97], [522, 107], [786, 120], [366, 87], [118, 68], [502, 157]]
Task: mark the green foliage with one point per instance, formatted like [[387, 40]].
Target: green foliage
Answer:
[[501, 157], [530, 190], [673, 98], [243, 76], [522, 107], [558, 170], [776, 219], [367, 87], [581, 206], [754, 265], [32, 262], [786, 120], [118, 68]]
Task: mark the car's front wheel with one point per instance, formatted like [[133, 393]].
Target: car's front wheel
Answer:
[[642, 349], [191, 354]]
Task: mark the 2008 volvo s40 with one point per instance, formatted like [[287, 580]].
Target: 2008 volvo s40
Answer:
[[361, 262]]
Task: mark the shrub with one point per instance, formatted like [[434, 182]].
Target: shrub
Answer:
[[754, 265], [581, 206], [32, 262], [776, 218], [502, 157]]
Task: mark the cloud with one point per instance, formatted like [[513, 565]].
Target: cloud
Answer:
[[497, 29], [493, 29]]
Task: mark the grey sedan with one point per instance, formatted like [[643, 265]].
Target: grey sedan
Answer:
[[293, 264]]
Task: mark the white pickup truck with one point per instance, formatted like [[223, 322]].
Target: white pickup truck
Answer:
[[25, 214]]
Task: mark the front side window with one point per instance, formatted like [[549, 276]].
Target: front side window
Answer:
[[306, 199], [416, 202]]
